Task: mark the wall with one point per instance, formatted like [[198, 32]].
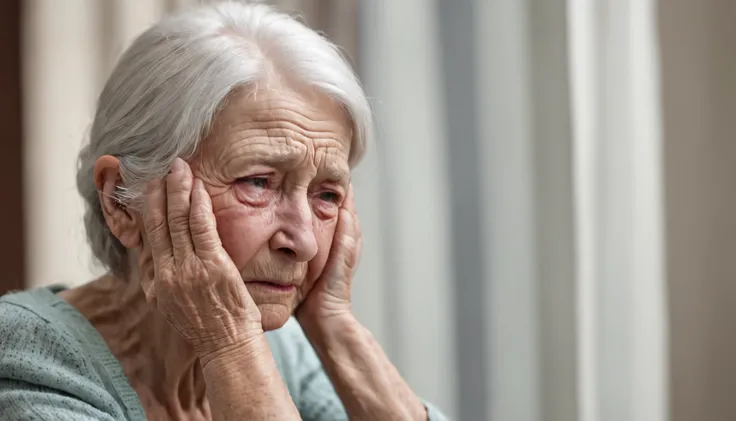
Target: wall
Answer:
[[12, 249], [699, 99]]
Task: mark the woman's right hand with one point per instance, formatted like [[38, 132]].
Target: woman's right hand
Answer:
[[198, 290], [195, 285]]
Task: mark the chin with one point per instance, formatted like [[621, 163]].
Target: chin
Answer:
[[273, 316]]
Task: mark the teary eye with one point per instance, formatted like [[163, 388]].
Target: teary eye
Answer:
[[259, 182], [329, 196]]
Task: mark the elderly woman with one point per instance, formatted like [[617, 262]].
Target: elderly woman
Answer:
[[217, 182]]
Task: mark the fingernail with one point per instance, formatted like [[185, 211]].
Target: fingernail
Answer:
[[178, 165]]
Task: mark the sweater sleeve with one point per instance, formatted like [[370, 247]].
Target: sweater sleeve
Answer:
[[308, 384], [45, 375], [311, 389], [22, 401]]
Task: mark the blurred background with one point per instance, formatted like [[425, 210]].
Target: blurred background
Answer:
[[547, 209]]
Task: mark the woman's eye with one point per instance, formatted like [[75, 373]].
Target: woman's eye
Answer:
[[329, 196], [259, 182]]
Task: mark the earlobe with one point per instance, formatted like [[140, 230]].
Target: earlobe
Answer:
[[119, 218]]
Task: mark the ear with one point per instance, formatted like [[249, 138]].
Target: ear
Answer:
[[121, 220]]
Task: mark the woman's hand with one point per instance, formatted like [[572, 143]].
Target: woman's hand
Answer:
[[194, 285], [330, 297], [368, 384], [198, 290]]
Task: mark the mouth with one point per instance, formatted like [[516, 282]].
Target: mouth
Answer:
[[275, 286]]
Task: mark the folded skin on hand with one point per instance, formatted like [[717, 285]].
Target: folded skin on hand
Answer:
[[199, 291], [196, 287]]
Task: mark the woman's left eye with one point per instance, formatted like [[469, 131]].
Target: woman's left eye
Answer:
[[329, 196]]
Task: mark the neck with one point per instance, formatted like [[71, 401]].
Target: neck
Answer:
[[160, 365]]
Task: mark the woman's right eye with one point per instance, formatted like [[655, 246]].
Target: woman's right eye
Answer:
[[259, 182], [256, 190]]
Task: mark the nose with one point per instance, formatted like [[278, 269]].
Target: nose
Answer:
[[295, 238]]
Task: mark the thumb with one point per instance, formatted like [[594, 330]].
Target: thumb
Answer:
[[344, 250]]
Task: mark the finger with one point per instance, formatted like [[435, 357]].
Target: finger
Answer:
[[154, 219], [358, 229], [358, 255], [354, 235], [349, 239], [349, 202], [359, 236], [202, 222], [344, 245], [178, 196]]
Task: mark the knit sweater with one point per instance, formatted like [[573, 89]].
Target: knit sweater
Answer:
[[54, 365]]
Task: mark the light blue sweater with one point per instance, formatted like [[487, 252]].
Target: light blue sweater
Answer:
[[54, 366]]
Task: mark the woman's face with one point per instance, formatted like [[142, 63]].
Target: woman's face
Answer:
[[276, 166]]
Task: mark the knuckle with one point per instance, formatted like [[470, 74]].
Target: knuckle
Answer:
[[200, 273], [222, 260], [151, 299], [199, 214], [178, 219], [199, 224], [165, 276], [347, 242], [223, 263], [193, 269], [156, 230], [351, 260], [208, 244], [178, 181], [152, 219]]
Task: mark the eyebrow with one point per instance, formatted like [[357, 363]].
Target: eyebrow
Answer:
[[338, 173], [286, 159], [280, 158]]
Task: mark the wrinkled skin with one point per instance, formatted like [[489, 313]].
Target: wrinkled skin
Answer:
[[261, 201]]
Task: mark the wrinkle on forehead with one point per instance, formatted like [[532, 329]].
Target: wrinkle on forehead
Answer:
[[305, 107], [279, 127]]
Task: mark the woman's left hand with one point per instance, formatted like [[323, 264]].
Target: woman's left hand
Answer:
[[330, 297], [368, 385]]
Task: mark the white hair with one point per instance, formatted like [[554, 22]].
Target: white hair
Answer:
[[168, 86]]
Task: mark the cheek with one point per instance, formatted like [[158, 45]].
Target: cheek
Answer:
[[244, 231]]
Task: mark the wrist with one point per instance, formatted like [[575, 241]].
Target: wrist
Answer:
[[223, 351], [328, 327], [367, 382]]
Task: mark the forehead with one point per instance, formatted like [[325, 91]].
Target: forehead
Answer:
[[305, 112], [276, 126]]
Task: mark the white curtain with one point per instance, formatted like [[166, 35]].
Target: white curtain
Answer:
[[404, 283], [622, 329], [562, 102]]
